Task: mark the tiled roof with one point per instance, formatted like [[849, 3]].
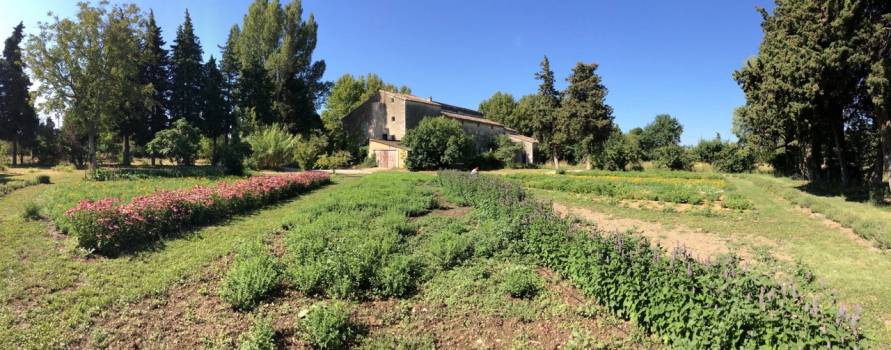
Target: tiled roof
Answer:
[[471, 118], [523, 137], [395, 144]]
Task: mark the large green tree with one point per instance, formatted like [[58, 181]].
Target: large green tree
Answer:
[[84, 66], [539, 112], [187, 74], [130, 96], [584, 120], [279, 79], [663, 131], [18, 120], [501, 107]]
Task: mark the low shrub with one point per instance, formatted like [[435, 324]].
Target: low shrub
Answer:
[[521, 282], [446, 249], [687, 303], [734, 159], [43, 179], [253, 275], [109, 227], [261, 336], [673, 157], [327, 325], [272, 147], [31, 211], [7, 188], [736, 202], [354, 243]]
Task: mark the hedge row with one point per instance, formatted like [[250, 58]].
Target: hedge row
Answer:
[[109, 227], [687, 303]]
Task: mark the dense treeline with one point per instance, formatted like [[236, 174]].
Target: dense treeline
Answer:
[[107, 75], [817, 93]]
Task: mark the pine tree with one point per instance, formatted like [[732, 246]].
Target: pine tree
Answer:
[[229, 67], [154, 71], [18, 119], [187, 75], [216, 113]]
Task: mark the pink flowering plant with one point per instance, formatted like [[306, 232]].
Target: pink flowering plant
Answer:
[[109, 226]]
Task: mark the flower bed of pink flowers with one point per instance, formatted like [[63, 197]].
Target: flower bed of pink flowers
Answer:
[[108, 226]]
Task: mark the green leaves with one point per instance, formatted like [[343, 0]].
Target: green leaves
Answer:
[[438, 143]]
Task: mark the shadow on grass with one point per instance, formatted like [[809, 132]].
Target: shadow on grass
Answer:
[[859, 194]]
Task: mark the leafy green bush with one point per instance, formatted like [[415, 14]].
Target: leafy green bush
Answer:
[[272, 147], [735, 159], [438, 143], [327, 325], [707, 150], [507, 152], [336, 160], [672, 157], [253, 275], [179, 143], [31, 211], [521, 282], [231, 157], [687, 303], [43, 179], [447, 248], [261, 336], [309, 149], [618, 151], [736, 201]]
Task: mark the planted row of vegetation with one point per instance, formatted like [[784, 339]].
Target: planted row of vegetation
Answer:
[[672, 190], [687, 303], [8, 187], [107, 174], [108, 226]]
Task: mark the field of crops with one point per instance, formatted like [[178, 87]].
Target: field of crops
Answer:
[[402, 260], [668, 187]]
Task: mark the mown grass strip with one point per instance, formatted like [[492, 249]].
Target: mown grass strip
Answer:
[[868, 222]]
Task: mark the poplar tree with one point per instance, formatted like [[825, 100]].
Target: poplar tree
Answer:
[[84, 67]]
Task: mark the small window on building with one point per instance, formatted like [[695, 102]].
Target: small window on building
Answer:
[[384, 136], [393, 118], [392, 137], [392, 100]]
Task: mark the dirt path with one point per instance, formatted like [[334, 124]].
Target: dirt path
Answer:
[[701, 244]]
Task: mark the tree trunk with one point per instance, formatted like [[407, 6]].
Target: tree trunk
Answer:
[[838, 136], [92, 150], [126, 160], [884, 124], [213, 150], [152, 156], [15, 150], [556, 162], [588, 163]]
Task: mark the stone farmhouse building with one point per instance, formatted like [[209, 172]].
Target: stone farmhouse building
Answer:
[[383, 120]]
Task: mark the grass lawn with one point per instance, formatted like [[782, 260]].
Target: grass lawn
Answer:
[[778, 234]]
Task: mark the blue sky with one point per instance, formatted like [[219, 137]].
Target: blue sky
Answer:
[[655, 57]]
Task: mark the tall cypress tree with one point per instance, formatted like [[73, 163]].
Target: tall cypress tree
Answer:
[[229, 66], [584, 120], [17, 116], [216, 113], [187, 75], [546, 88], [540, 111], [154, 71]]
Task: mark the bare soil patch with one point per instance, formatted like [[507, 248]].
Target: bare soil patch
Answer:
[[701, 244]]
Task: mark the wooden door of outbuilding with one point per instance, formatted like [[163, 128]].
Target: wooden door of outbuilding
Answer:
[[386, 158]]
